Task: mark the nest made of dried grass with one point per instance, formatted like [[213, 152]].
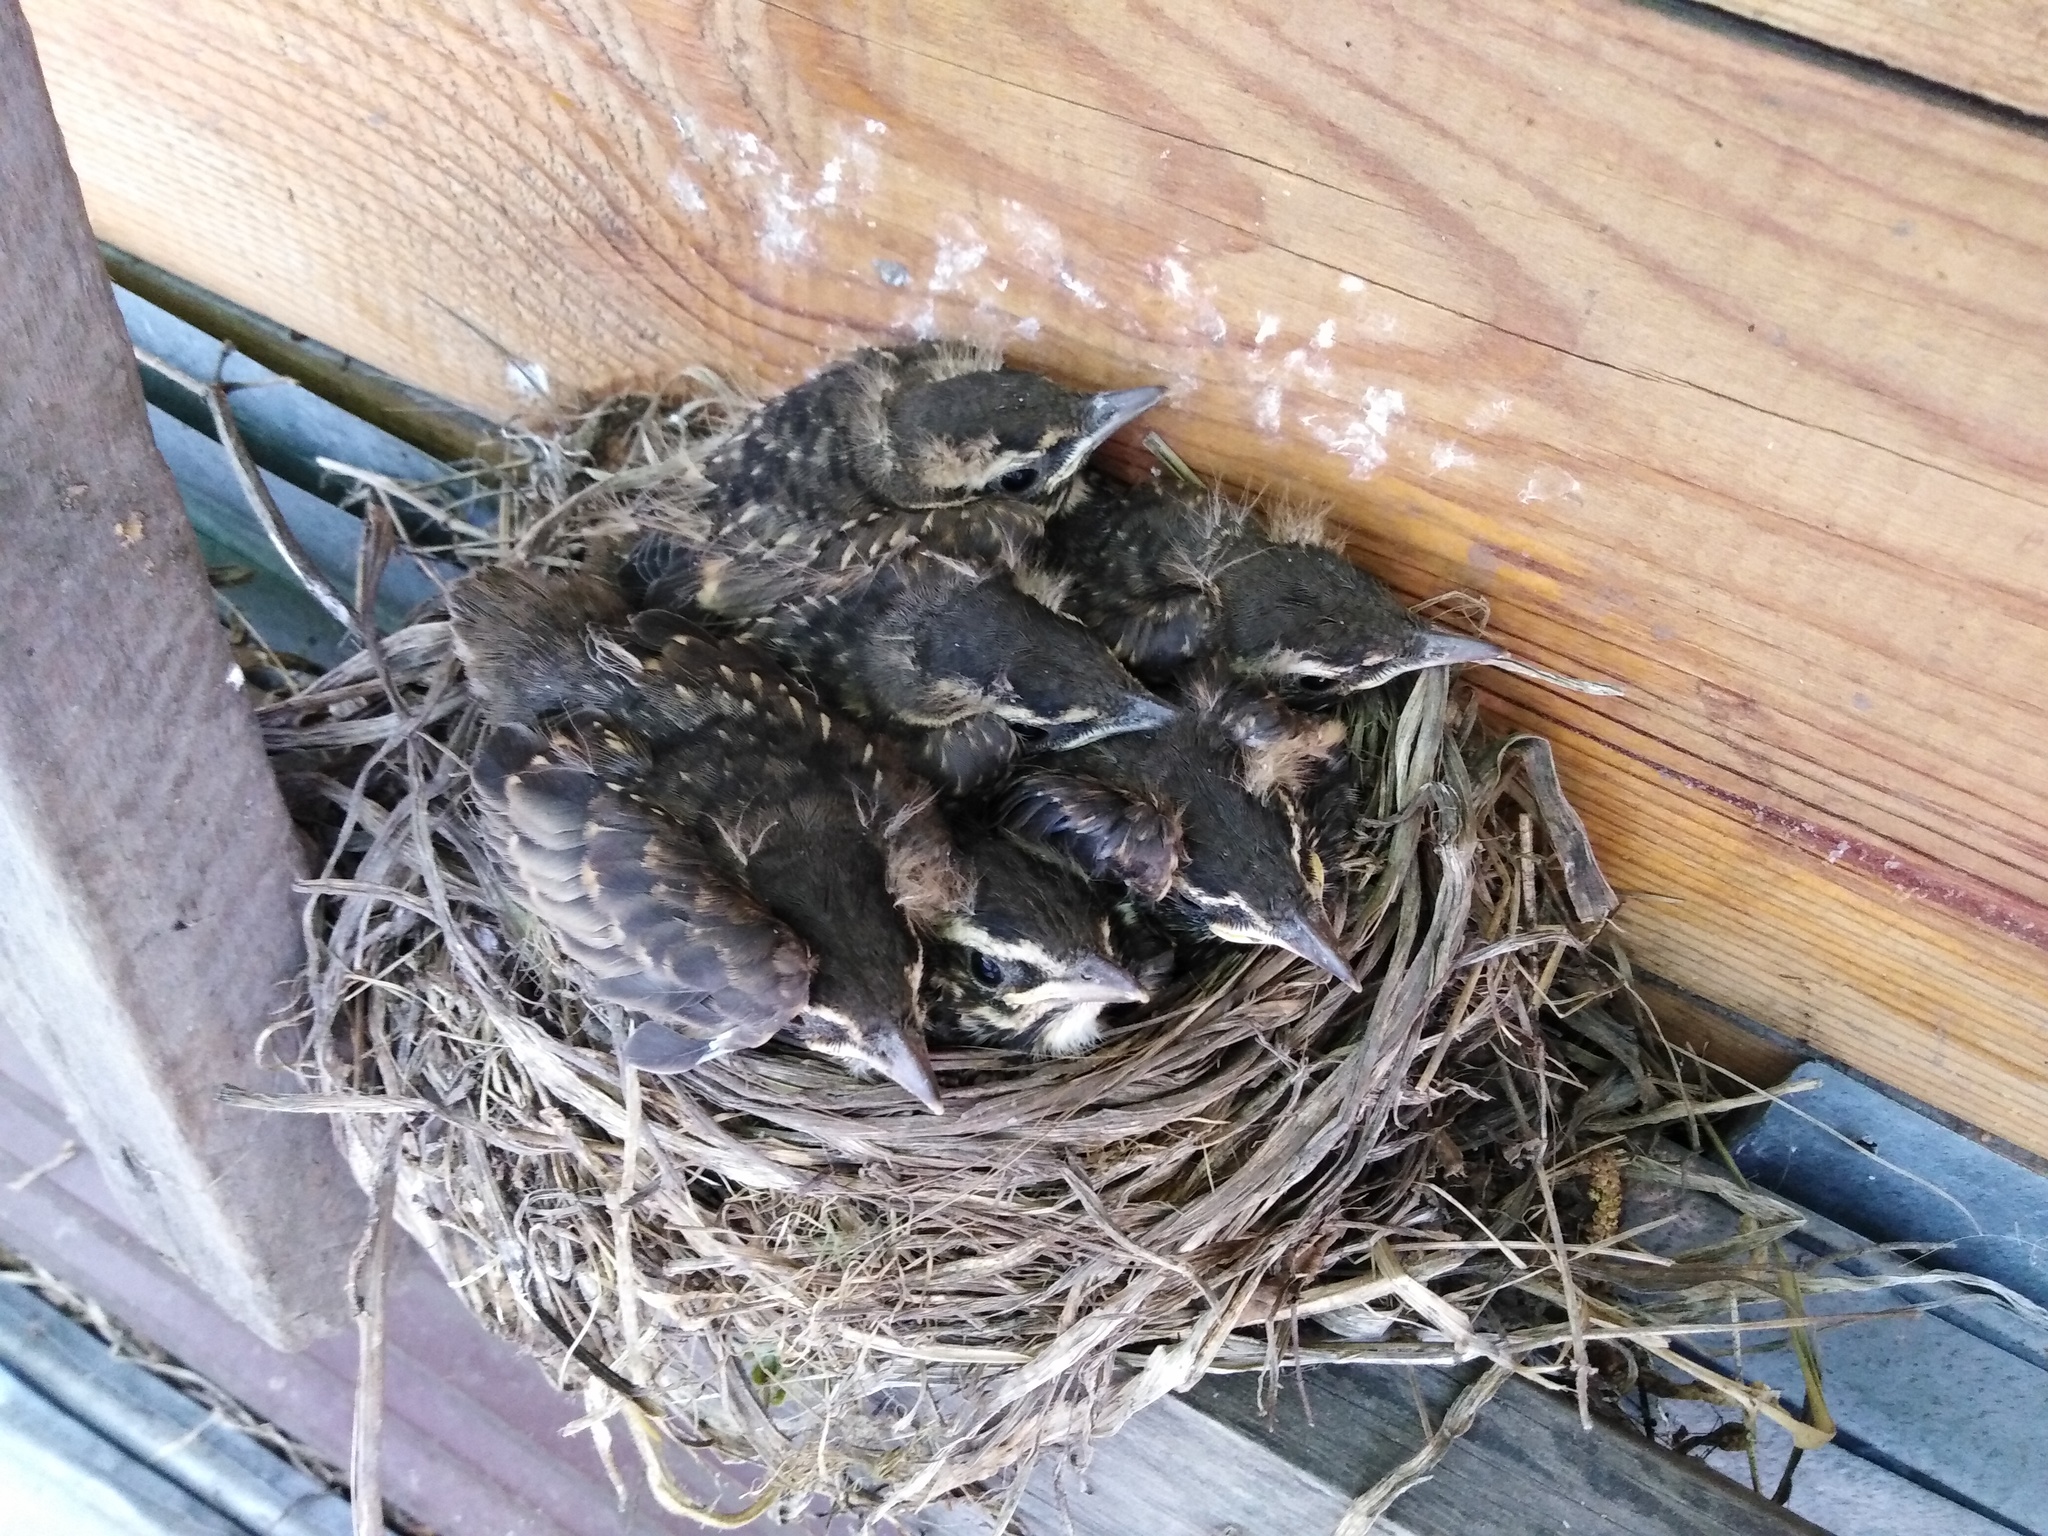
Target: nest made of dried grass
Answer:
[[808, 1274]]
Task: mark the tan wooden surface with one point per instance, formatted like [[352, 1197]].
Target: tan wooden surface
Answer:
[[1997, 49], [147, 925], [1718, 370]]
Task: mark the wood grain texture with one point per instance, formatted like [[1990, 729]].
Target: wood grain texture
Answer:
[[1718, 371], [1228, 1457], [1525, 1466], [1997, 49], [147, 924]]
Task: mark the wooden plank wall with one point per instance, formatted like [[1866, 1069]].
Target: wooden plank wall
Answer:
[[1996, 49], [1717, 368]]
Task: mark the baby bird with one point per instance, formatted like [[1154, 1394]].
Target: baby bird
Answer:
[[665, 800], [1028, 964], [934, 424], [959, 665], [1198, 818], [1167, 575]]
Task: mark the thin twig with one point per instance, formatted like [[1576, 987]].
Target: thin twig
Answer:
[[1161, 450], [371, 1275], [1366, 1509], [254, 491]]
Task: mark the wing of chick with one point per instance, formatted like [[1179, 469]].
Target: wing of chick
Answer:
[[1107, 833], [802, 743], [633, 899], [964, 757], [990, 534], [1136, 561]]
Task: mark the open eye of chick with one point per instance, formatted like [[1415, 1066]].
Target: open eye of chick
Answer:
[[1001, 431], [1029, 965]]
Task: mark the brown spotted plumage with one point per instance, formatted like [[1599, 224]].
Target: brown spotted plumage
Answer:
[[1174, 816], [658, 927], [933, 447], [934, 424], [962, 666], [1168, 576], [714, 850], [873, 527]]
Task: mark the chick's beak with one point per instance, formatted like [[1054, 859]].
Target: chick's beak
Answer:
[[1096, 980], [1441, 648], [1138, 712], [901, 1057], [1428, 648], [1311, 937], [1106, 412]]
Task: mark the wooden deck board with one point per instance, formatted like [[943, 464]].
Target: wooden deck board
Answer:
[[1717, 370]]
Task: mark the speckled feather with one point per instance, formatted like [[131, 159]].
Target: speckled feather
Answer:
[[1167, 575], [655, 925], [954, 663], [848, 439], [666, 826], [949, 659], [1169, 813]]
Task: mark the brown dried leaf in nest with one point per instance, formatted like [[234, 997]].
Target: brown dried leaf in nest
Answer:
[[810, 1275]]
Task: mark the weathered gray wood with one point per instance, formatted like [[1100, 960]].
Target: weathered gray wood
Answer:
[[1212, 1462], [473, 1430], [147, 925], [1526, 1466]]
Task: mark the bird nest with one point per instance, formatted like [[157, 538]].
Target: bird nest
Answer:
[[808, 1273]]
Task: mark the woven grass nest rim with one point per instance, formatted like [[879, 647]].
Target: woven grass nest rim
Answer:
[[864, 1302]]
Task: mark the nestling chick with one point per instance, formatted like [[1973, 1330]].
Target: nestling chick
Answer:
[[1030, 964], [1167, 575], [714, 851], [932, 447], [1198, 818], [950, 661], [935, 424], [695, 564]]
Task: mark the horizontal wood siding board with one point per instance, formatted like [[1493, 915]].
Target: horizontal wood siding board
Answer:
[[1526, 1465], [1994, 49]]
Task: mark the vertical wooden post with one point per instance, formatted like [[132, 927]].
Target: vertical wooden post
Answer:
[[147, 926]]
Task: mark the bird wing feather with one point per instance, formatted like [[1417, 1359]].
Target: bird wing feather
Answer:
[[634, 899], [1159, 630], [1105, 831], [966, 756]]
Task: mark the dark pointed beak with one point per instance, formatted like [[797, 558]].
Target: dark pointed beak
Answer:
[[1441, 648], [1096, 980], [1310, 936], [903, 1059], [1433, 648], [1142, 712], [1139, 712], [1104, 413]]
